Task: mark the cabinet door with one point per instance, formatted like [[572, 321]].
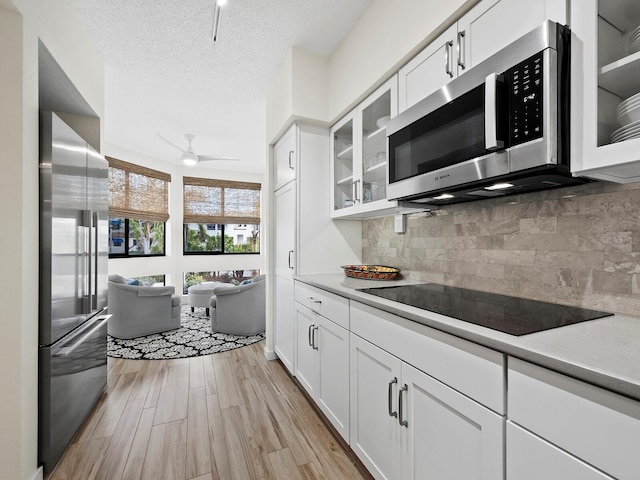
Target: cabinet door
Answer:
[[604, 76], [493, 24], [306, 364], [332, 342], [447, 435], [344, 170], [373, 115], [284, 230], [283, 321], [375, 432], [284, 158], [531, 458], [428, 71]]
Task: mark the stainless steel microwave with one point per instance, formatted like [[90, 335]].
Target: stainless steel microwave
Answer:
[[500, 128]]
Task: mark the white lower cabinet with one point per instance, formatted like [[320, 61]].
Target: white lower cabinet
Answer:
[[531, 458], [589, 424], [375, 433], [321, 366], [284, 320], [405, 424]]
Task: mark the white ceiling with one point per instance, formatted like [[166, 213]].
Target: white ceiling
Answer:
[[164, 74]]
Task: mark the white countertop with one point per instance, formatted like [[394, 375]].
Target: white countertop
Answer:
[[604, 352]]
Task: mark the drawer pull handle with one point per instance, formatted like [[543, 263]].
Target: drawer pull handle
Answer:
[[314, 300], [402, 422], [390, 398]]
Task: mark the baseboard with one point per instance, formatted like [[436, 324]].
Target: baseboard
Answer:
[[38, 475], [270, 354]]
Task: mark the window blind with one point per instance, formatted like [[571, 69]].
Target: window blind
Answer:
[[138, 192], [209, 200]]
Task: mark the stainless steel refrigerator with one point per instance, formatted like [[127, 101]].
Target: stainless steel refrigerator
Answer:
[[72, 285]]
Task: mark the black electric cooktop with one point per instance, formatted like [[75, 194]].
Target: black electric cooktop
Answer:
[[515, 316]]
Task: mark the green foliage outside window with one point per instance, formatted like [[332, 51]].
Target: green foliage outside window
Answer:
[[148, 236]]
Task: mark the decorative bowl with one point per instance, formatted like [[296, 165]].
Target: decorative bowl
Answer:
[[371, 272]]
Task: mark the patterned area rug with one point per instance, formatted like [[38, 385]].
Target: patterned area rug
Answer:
[[192, 339]]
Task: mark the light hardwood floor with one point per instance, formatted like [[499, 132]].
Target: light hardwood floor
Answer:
[[231, 415]]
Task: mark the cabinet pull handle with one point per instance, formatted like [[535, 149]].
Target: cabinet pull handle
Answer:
[[290, 157], [447, 58], [356, 197], [314, 300], [390, 398], [314, 339], [462, 52], [289, 259], [309, 336], [403, 423]]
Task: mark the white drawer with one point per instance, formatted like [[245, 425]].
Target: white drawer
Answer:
[[600, 427], [531, 458], [471, 369], [331, 306]]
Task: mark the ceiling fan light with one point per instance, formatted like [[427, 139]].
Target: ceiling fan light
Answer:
[[189, 158]]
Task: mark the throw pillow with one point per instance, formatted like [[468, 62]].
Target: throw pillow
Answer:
[[115, 278]]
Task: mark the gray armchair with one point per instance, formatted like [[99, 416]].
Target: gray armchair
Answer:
[[239, 310], [139, 310]]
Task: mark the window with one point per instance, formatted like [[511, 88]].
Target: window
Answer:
[[234, 277], [221, 217], [134, 238], [138, 210]]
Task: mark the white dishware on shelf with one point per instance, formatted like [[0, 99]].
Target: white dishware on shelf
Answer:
[[629, 115], [634, 41], [626, 133], [382, 121], [627, 111]]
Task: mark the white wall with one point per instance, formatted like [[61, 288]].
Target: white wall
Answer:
[[174, 264], [299, 92], [385, 37], [22, 23]]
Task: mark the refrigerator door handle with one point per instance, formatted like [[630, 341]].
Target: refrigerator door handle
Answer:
[[86, 261], [99, 322], [93, 265]]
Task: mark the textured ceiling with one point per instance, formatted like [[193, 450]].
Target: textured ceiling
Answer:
[[164, 74]]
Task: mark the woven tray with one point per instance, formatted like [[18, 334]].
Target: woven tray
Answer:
[[371, 272]]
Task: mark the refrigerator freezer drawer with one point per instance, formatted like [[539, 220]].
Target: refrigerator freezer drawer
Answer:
[[73, 374]]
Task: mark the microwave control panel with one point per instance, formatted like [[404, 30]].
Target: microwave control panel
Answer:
[[525, 100]]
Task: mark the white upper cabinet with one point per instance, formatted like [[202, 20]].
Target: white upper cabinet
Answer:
[[605, 70], [488, 27], [284, 158], [359, 152], [428, 71]]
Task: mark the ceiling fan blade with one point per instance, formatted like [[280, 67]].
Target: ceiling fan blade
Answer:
[[170, 143], [205, 158]]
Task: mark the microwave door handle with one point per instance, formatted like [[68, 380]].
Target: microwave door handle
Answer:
[[490, 114]]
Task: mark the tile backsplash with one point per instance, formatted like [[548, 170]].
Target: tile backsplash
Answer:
[[575, 246]]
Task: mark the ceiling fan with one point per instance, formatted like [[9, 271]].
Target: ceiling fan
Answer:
[[189, 157]]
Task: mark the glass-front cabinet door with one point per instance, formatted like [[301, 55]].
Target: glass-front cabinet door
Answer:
[[373, 131], [359, 149], [605, 85], [342, 146]]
